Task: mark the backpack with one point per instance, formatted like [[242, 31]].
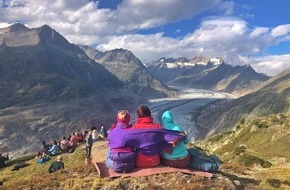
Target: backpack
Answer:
[[202, 162]]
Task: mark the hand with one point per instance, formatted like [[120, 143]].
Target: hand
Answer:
[[172, 143]]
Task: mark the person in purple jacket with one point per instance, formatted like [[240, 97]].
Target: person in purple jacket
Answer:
[[121, 159], [147, 141]]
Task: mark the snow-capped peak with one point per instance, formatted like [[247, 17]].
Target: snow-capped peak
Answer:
[[215, 61]]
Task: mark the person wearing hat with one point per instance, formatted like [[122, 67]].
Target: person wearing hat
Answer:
[[3, 159], [179, 156], [56, 165]]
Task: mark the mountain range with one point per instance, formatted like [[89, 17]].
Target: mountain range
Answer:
[[129, 69], [271, 97], [206, 73], [50, 87]]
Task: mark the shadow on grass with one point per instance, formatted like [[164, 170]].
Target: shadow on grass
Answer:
[[243, 182]]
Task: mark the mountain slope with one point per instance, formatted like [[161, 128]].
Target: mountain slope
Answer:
[[257, 148], [206, 73], [130, 70], [79, 176], [272, 97], [47, 68], [49, 86]]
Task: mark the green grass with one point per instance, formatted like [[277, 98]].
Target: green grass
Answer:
[[77, 176], [242, 152], [259, 147]]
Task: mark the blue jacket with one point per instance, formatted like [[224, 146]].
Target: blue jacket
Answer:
[[54, 149], [179, 151]]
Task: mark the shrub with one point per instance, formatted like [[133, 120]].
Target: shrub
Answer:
[[267, 164], [262, 125], [274, 182], [242, 121], [239, 150], [249, 160]]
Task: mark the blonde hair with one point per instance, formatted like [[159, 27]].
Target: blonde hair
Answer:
[[122, 114], [59, 158]]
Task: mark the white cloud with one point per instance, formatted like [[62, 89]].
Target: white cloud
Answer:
[[228, 38], [83, 17], [258, 32], [145, 47], [281, 30], [270, 65], [151, 13], [82, 22]]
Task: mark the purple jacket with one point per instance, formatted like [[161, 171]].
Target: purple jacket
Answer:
[[146, 141]]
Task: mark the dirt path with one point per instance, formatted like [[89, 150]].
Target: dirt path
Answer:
[[99, 151]]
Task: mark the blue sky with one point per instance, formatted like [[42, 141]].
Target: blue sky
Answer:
[[241, 32]]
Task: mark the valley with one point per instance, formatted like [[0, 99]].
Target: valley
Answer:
[[184, 105]]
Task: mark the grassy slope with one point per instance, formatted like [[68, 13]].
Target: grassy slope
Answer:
[[245, 153], [77, 175], [258, 148]]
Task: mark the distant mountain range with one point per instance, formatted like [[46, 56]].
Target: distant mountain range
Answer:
[[129, 69], [206, 73], [50, 87]]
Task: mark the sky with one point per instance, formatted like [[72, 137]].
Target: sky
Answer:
[[253, 32]]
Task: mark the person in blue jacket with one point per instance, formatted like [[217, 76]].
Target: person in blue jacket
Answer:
[[53, 150], [179, 157]]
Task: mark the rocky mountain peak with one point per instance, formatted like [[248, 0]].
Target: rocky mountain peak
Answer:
[[121, 55], [200, 58], [14, 28]]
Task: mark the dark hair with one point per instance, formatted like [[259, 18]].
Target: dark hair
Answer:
[[93, 128], [143, 111]]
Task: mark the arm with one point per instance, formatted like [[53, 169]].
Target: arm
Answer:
[[52, 148]]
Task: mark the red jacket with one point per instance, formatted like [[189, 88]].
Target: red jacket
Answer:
[[145, 123], [142, 160]]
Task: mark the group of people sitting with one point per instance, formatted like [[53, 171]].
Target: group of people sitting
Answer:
[[67, 144], [145, 144]]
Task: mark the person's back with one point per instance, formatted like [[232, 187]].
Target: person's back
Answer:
[[95, 133], [56, 165], [121, 159], [64, 144], [145, 121], [80, 137], [179, 157], [74, 140], [89, 144]]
